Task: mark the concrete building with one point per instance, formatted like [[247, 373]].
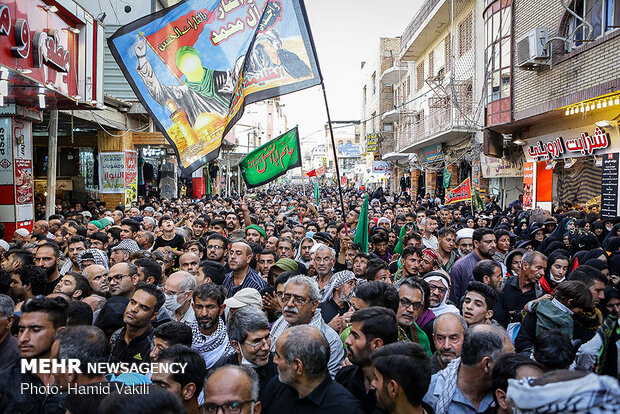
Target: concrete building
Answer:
[[377, 99], [556, 85], [348, 149], [439, 94]]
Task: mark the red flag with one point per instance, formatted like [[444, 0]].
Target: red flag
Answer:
[[343, 180], [311, 173], [184, 31], [460, 193]]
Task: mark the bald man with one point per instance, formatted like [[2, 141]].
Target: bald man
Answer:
[[233, 384], [179, 290], [189, 262], [97, 277], [242, 275]]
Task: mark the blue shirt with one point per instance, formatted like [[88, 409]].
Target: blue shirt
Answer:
[[251, 280], [461, 274], [460, 404]]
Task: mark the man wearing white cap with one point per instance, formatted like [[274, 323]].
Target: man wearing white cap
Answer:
[[21, 237], [244, 297], [465, 241]]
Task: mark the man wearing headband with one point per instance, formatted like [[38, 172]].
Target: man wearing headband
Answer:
[[255, 234], [430, 261]]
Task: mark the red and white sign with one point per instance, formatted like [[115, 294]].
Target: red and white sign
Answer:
[[49, 46], [580, 144]]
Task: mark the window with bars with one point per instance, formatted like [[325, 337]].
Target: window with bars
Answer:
[[465, 34], [498, 62], [408, 87], [431, 64], [420, 76], [448, 55]]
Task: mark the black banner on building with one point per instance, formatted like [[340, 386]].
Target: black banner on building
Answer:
[[609, 186]]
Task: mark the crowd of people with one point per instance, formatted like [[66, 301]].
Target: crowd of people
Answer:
[[275, 303]]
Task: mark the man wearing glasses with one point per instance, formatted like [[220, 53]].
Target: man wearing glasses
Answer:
[[248, 332], [122, 279], [410, 308], [231, 390], [217, 250], [299, 307]]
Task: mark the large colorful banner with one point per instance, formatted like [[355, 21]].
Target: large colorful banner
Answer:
[[460, 193], [131, 177], [273, 159], [195, 65]]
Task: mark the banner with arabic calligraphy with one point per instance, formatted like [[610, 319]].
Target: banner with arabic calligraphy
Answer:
[[273, 159], [572, 144], [460, 193], [194, 66]]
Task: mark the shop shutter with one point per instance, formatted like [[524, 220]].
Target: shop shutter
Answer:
[[582, 181]]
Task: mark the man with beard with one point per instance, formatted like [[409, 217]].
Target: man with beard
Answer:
[[97, 278], [448, 335], [439, 284], [323, 260], [489, 272], [232, 222], [133, 342], [411, 260], [371, 329], [401, 378], [16, 258], [303, 384], [27, 282], [341, 289], [255, 234], [248, 332], [73, 285], [465, 241], [217, 249], [41, 319], [266, 259], [280, 222], [303, 252], [48, 257], [299, 307], [210, 338], [242, 275], [218, 226], [410, 308], [462, 271], [76, 245]]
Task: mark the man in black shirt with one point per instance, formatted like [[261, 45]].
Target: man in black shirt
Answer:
[[48, 257], [371, 328], [337, 298], [133, 342], [303, 384], [402, 375]]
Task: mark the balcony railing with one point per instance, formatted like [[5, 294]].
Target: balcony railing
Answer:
[[417, 21], [441, 115]]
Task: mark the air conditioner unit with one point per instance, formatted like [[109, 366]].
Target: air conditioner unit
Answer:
[[532, 51]]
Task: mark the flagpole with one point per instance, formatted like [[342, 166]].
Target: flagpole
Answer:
[[331, 133]]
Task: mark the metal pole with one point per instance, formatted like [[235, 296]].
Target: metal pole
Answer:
[[239, 179], [331, 133], [52, 151], [228, 172]]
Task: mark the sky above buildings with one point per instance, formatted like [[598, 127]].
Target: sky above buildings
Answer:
[[345, 34]]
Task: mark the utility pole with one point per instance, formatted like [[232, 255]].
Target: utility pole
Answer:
[[52, 151]]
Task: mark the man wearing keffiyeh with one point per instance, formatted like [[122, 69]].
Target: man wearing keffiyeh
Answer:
[[209, 330]]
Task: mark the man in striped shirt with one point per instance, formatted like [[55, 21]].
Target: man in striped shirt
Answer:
[[242, 275]]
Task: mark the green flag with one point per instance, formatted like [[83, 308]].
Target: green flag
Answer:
[[208, 187], [361, 232], [477, 201], [268, 162], [316, 191], [447, 176]]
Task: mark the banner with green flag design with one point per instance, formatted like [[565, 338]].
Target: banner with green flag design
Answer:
[[361, 231], [268, 162], [476, 201]]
